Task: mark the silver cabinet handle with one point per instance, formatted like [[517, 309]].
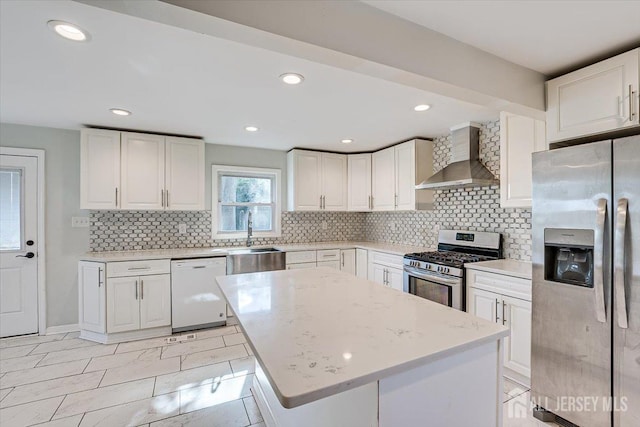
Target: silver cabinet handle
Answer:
[[136, 289], [324, 202], [138, 268], [598, 285], [342, 256], [618, 263], [497, 304], [99, 277], [162, 196], [372, 202], [320, 202], [631, 112], [167, 191], [395, 200], [116, 197], [504, 317], [141, 289]]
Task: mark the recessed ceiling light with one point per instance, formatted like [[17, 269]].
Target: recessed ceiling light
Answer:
[[69, 31], [120, 112], [347, 141], [422, 107], [292, 78], [251, 128]]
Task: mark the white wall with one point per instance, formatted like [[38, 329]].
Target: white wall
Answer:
[[64, 245]]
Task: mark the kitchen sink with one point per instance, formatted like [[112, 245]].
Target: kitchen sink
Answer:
[[253, 260]]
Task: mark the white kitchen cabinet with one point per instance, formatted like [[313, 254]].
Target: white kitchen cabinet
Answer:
[[330, 264], [362, 263], [359, 182], [348, 261], [184, 174], [316, 181], [596, 99], [519, 138], [505, 300], [301, 265], [122, 301], [383, 179], [395, 173], [99, 169], [142, 171], [155, 301], [386, 269], [92, 296], [125, 170]]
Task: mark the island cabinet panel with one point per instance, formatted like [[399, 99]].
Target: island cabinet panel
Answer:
[[596, 99]]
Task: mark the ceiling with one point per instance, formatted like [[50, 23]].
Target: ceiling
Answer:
[[546, 36], [181, 82]]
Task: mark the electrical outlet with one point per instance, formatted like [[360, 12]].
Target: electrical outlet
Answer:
[[324, 225], [79, 221], [182, 228]]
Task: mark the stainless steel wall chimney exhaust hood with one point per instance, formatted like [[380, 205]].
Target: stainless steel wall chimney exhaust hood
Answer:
[[465, 170]]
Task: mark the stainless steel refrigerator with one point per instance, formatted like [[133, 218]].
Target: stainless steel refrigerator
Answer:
[[585, 357]]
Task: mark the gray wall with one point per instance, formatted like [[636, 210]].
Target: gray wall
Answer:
[[244, 156], [64, 245]]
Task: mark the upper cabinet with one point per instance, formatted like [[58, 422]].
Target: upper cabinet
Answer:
[[359, 182], [396, 171], [136, 171], [596, 99], [519, 138], [316, 181]]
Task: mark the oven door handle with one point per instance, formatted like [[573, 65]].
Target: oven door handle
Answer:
[[412, 271]]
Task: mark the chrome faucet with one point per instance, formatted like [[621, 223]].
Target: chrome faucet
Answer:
[[249, 229]]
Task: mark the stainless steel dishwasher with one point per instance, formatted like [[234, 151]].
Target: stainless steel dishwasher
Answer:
[[254, 260]]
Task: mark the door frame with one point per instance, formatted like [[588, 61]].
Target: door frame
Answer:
[[40, 203]]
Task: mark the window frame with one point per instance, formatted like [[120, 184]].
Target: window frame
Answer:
[[217, 171]]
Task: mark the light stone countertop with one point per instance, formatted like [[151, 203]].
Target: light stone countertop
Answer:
[[318, 332], [509, 267], [114, 256]]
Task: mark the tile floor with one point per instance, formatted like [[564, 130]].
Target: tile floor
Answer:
[[63, 381]]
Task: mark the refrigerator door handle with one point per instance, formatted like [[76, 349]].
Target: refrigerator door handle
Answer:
[[618, 264], [598, 273]]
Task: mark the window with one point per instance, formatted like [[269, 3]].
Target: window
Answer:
[[10, 209], [236, 191]]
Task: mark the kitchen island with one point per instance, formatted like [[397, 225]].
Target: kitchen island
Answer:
[[335, 350]]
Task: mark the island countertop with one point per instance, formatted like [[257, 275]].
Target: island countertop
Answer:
[[318, 332]]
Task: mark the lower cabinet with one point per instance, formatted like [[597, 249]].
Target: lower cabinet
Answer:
[[361, 263], [386, 269], [121, 297], [489, 299], [340, 259], [348, 261]]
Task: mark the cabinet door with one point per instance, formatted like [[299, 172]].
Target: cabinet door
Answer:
[[405, 172], [99, 169], [304, 180], [383, 179], [123, 308], [155, 301], [517, 347], [142, 171], [519, 138], [348, 261], [184, 174], [484, 304], [91, 276], [334, 182], [594, 99], [395, 276], [361, 263], [330, 264], [359, 181], [377, 273]]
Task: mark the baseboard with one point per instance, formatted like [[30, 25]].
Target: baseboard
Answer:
[[62, 329]]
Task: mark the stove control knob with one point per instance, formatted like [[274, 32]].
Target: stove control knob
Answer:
[[446, 270]]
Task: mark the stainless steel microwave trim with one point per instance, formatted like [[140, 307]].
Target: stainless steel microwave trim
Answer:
[[465, 169]]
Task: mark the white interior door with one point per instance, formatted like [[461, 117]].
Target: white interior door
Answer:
[[18, 243]]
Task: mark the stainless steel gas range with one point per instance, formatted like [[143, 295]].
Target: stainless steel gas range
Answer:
[[439, 276]]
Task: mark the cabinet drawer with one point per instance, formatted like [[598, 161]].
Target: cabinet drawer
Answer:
[[499, 283], [328, 255], [330, 264], [301, 265], [300, 256], [385, 259], [138, 268]]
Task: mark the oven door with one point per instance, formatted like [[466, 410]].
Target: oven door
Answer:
[[446, 290]]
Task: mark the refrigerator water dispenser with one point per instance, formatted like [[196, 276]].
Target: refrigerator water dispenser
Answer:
[[569, 256]]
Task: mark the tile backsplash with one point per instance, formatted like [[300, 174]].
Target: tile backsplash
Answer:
[[476, 208]]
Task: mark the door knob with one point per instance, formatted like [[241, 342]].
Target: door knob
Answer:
[[28, 255]]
